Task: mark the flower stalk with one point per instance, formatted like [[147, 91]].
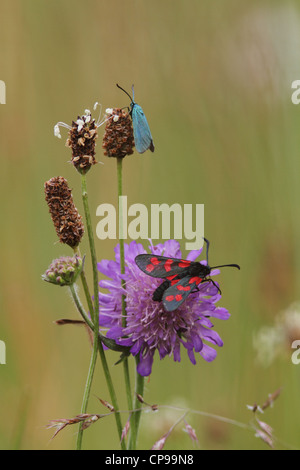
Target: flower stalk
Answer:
[[97, 343], [85, 284], [139, 380], [139, 391], [108, 378], [122, 270], [87, 389]]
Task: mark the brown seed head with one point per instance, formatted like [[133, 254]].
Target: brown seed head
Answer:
[[118, 138], [67, 221], [82, 141]]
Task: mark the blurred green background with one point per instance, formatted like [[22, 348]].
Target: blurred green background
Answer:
[[214, 79]]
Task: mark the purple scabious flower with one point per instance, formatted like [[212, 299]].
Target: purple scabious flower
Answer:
[[148, 326]]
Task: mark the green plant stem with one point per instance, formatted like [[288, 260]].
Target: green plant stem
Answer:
[[112, 393], [80, 307], [121, 235], [89, 380], [92, 249], [95, 316], [122, 267], [109, 382], [139, 390], [93, 311], [85, 284]]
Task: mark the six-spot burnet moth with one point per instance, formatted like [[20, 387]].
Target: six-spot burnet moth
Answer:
[[141, 131], [182, 277]]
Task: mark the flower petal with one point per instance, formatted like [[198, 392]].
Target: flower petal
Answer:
[[144, 367], [208, 353]]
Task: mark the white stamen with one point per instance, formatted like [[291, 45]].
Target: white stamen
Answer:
[[57, 131], [80, 124]]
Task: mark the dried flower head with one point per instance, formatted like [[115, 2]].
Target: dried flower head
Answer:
[[118, 140], [67, 221], [82, 139], [64, 271]]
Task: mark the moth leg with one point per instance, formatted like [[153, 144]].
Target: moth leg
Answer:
[[207, 280]]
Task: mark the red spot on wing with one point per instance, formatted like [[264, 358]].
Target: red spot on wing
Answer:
[[195, 279], [149, 268], [154, 260], [178, 297], [184, 263], [185, 288], [167, 264], [170, 278], [174, 282], [169, 298]]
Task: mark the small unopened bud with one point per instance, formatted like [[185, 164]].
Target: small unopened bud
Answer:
[[271, 398], [106, 404], [67, 221], [118, 140], [140, 398], [82, 140], [64, 271], [265, 437], [159, 445], [191, 432], [125, 430]]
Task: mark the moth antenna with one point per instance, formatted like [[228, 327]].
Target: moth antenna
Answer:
[[207, 248], [222, 265], [125, 92], [226, 265]]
